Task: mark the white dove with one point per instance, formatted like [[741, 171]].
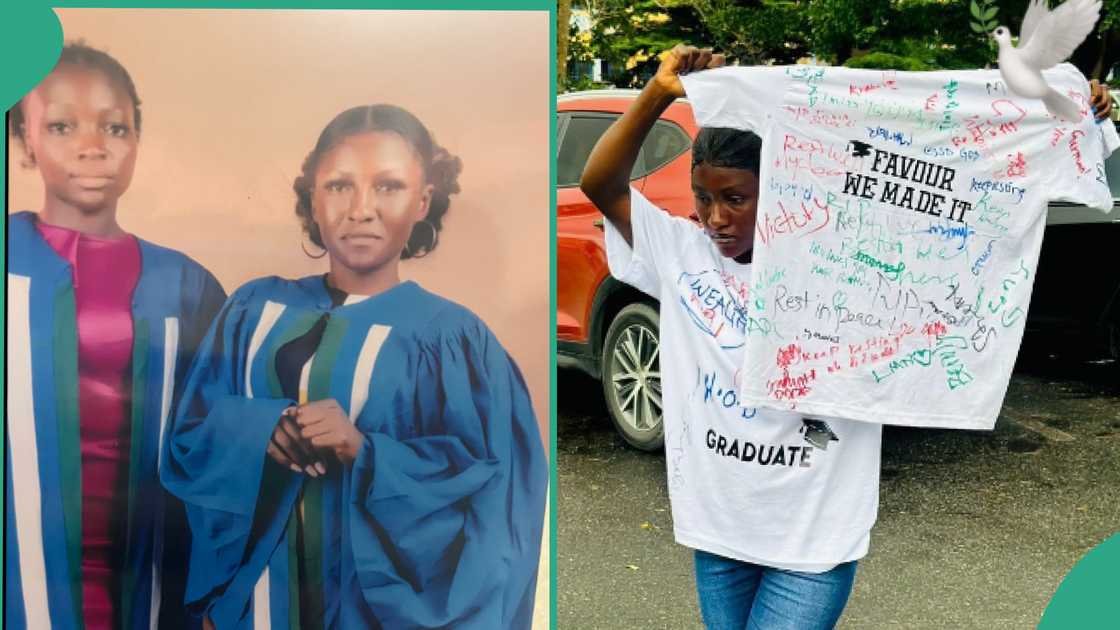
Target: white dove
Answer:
[[1046, 39]]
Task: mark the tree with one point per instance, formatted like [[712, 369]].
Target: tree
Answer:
[[628, 35], [1100, 53], [563, 20], [900, 34], [764, 31], [838, 27]]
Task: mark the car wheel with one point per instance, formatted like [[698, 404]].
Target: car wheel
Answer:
[[631, 376]]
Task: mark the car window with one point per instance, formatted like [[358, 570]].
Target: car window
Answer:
[[1112, 173], [580, 136], [561, 124], [664, 143]]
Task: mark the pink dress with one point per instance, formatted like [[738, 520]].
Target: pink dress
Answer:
[[105, 272]]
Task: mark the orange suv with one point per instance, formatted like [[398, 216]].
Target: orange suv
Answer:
[[604, 327]]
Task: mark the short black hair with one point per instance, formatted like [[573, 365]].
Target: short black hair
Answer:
[[77, 53], [731, 148], [441, 169]]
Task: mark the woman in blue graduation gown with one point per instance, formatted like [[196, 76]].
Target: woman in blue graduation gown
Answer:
[[354, 451], [101, 325]]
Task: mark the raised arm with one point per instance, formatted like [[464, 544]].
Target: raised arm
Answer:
[[1100, 99], [606, 178]]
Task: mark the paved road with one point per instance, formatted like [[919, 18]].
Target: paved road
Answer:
[[975, 529]]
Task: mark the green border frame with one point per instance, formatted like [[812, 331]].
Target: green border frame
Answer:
[[32, 35]]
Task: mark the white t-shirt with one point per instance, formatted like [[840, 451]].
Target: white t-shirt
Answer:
[[900, 217], [755, 485]]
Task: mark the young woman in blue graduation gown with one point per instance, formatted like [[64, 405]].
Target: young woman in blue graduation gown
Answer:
[[101, 325], [354, 451]]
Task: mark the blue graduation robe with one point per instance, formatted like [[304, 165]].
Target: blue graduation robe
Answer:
[[173, 303], [438, 522]]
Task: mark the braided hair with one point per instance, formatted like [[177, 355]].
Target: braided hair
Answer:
[[441, 169], [731, 148]]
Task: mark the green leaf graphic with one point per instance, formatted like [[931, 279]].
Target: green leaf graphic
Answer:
[[30, 33], [1086, 598]]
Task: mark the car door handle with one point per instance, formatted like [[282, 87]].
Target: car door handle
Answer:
[[598, 223]]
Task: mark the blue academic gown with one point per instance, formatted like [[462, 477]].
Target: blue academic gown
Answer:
[[438, 522], [172, 306]]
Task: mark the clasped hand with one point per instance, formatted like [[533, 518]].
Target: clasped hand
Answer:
[[307, 436]]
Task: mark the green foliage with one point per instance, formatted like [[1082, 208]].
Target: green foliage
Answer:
[[1110, 15], [896, 34], [887, 61], [636, 31], [933, 33], [839, 26], [583, 83], [983, 21], [983, 16], [755, 33]]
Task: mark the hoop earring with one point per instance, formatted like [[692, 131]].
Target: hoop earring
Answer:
[[426, 250], [309, 254]]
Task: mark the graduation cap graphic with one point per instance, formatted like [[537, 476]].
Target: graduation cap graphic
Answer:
[[859, 149], [818, 433]]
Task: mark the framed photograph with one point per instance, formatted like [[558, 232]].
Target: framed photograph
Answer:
[[278, 322]]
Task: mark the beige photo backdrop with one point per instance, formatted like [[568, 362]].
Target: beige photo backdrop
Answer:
[[233, 101]]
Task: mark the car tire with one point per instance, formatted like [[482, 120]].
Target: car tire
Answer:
[[631, 376]]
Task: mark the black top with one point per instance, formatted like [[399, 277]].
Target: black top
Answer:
[[292, 356]]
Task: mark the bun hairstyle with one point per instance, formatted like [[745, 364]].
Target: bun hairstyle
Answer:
[[731, 148], [441, 169], [77, 53]]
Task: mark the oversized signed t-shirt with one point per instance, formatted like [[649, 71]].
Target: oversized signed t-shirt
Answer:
[[901, 216], [758, 485]]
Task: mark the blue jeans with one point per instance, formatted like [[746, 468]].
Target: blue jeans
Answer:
[[738, 595]]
